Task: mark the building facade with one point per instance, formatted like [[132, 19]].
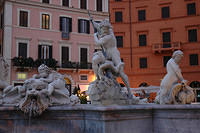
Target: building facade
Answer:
[[54, 32], [148, 31]]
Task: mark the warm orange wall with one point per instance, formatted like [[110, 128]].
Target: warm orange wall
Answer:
[[177, 24]]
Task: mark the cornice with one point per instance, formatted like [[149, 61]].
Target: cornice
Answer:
[[58, 7]]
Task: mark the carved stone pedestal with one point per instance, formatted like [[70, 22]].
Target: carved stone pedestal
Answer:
[[107, 91]]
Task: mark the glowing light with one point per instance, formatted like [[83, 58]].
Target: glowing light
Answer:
[[21, 76]]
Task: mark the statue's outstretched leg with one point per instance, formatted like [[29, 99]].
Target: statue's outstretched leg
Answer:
[[125, 79]]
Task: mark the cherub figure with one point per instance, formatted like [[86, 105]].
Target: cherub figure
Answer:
[[54, 79]]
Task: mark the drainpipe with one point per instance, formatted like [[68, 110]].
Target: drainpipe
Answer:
[[130, 21]]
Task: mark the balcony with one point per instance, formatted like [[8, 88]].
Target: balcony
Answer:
[[76, 65], [166, 47]]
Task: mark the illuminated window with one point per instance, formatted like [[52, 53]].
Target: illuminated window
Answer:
[[21, 76], [45, 21], [84, 77], [44, 51]]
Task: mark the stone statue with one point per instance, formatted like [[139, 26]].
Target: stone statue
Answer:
[[39, 92], [107, 66], [3, 76], [172, 92]]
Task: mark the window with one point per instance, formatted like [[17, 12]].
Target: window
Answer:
[[23, 18], [165, 12], [83, 26], [118, 16], [83, 77], [192, 35], [191, 9], [99, 5], [165, 60], [65, 3], [45, 21], [166, 36], [19, 84], [141, 15], [142, 40], [45, 1], [83, 4], [84, 55], [21, 76], [22, 50], [194, 59], [119, 41], [65, 54], [65, 24], [143, 62], [44, 51]]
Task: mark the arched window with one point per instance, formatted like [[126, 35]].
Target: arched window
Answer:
[[144, 84]]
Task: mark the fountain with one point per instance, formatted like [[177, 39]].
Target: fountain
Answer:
[[113, 110]]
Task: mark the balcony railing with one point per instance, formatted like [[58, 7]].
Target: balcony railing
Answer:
[[77, 65], [166, 47]]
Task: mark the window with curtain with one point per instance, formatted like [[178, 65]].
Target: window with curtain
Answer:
[[83, 26], [45, 21]]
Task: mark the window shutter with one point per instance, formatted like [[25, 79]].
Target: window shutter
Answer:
[[61, 23], [79, 26], [39, 51], [83, 55], [70, 24], [25, 19], [88, 27], [50, 52]]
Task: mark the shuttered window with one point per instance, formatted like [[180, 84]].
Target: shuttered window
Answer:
[[141, 15], [99, 5], [166, 36], [194, 60], [23, 21], [22, 50], [83, 4], [165, 12], [65, 3], [45, 1], [143, 62], [44, 51], [192, 35], [45, 21], [165, 60], [142, 40], [65, 24], [84, 55], [118, 17], [191, 9], [119, 41], [83, 26], [65, 55]]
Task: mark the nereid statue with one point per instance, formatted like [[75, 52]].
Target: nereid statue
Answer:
[[107, 66], [39, 92], [172, 92]]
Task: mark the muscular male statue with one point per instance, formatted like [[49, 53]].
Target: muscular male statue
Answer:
[[105, 38]]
